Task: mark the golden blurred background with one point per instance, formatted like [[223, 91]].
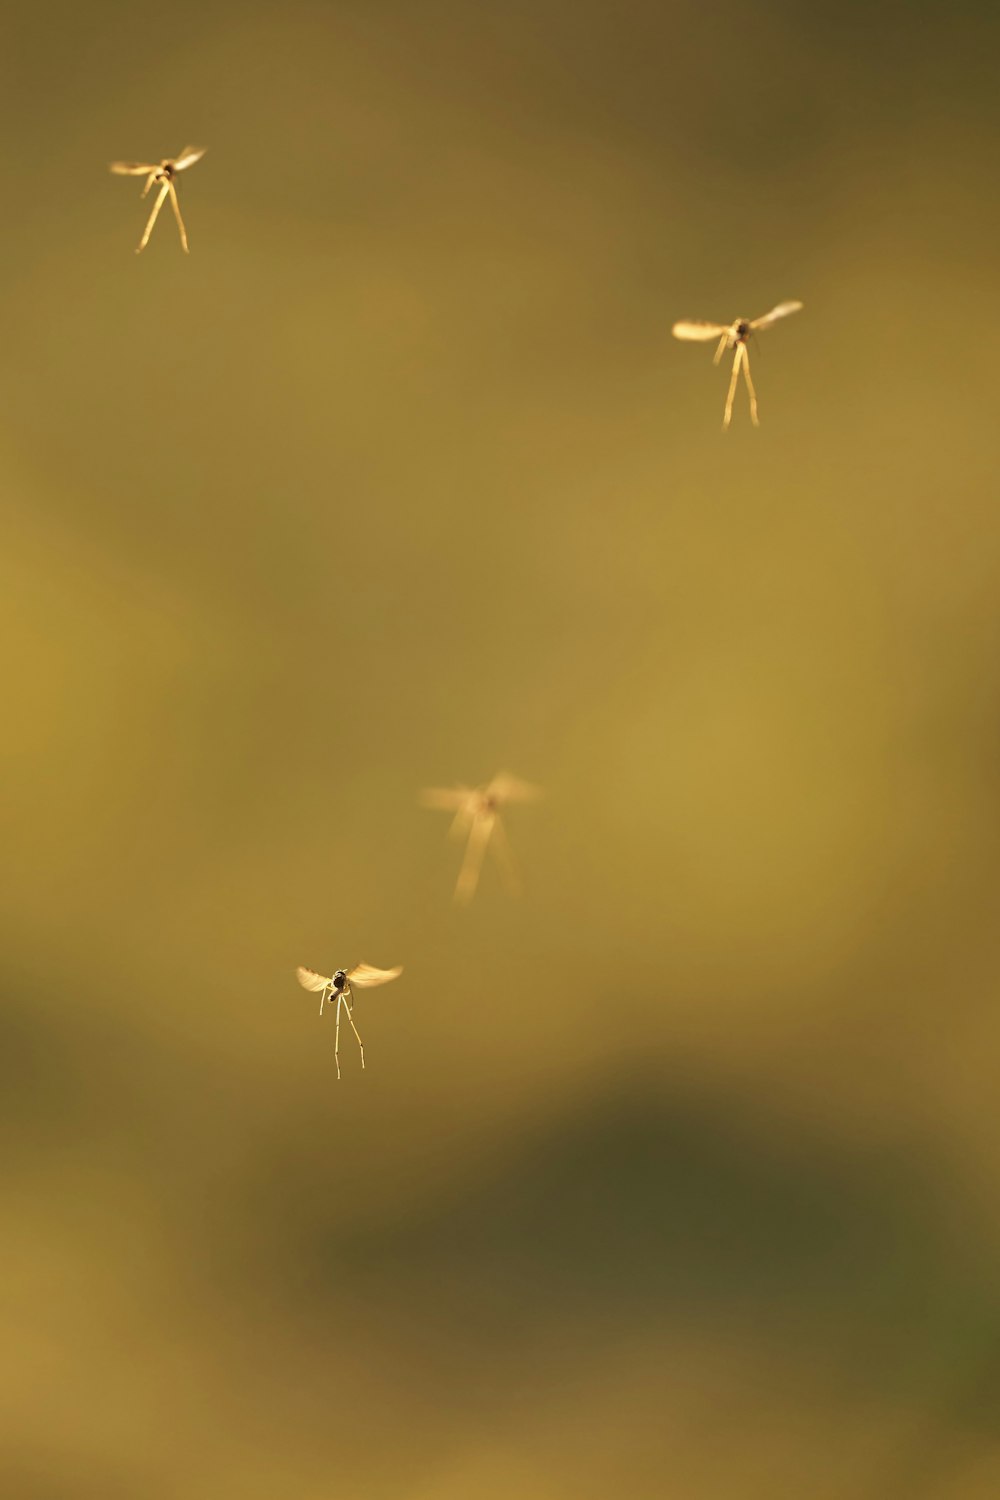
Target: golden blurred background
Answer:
[[679, 1176]]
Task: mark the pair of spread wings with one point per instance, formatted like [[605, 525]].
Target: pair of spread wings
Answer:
[[695, 329], [187, 158], [466, 801], [477, 817], [362, 975]]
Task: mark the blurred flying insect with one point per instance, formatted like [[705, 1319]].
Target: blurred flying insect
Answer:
[[340, 986], [734, 336], [162, 176], [477, 815]]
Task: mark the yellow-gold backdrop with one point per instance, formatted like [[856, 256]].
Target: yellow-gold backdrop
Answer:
[[680, 1175]]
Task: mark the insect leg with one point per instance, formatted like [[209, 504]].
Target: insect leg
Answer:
[[468, 875], [505, 858], [753, 393], [177, 215], [152, 218], [461, 823], [354, 1028], [732, 387], [722, 344], [336, 1036], [322, 997]]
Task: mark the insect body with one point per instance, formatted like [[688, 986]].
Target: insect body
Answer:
[[477, 816], [734, 336], [338, 987], [161, 175]]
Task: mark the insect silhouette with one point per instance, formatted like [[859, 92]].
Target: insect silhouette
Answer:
[[339, 986], [734, 336], [161, 175], [477, 818]]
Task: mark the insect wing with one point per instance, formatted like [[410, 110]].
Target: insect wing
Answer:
[[448, 799], [131, 168], [188, 157], [702, 332], [782, 310], [506, 788], [310, 980], [366, 977]]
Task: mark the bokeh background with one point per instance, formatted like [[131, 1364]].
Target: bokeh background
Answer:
[[680, 1175]]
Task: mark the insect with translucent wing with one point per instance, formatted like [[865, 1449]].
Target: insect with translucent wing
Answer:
[[339, 986], [162, 176], [734, 336], [477, 817]]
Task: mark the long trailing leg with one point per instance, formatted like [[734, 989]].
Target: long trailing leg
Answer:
[[462, 822], [177, 215], [732, 387], [336, 1035], [753, 393], [152, 218], [350, 1017], [468, 876], [504, 857], [721, 349], [322, 997]]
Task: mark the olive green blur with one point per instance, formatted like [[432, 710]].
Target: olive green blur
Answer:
[[678, 1176]]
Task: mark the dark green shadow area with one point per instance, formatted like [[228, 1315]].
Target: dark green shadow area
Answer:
[[646, 1211]]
